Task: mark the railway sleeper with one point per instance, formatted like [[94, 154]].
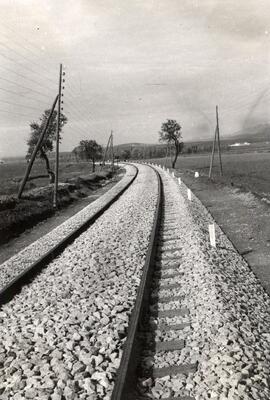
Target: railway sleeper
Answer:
[[184, 369], [168, 239], [168, 265], [157, 298], [162, 249], [175, 327], [173, 257], [169, 286], [180, 312], [170, 345], [163, 275]]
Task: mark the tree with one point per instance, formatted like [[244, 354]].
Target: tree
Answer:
[[136, 153], [126, 154], [78, 153], [90, 150], [171, 133], [47, 144]]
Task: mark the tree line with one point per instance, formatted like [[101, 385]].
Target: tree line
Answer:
[[170, 138]]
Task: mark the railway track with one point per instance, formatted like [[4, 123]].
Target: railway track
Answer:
[[159, 321], [201, 329], [138, 307], [61, 335]]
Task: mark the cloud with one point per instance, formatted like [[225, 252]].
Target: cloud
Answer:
[[130, 65]]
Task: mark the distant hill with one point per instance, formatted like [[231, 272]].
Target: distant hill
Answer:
[[129, 146], [253, 134]]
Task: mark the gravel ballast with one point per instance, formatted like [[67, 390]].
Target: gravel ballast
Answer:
[[16, 264], [63, 334], [229, 334]]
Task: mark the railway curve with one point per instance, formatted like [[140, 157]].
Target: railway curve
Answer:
[[62, 335], [140, 306]]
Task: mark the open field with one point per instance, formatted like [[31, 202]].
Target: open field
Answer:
[[248, 171], [12, 172]]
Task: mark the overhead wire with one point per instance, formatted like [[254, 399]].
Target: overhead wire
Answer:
[[23, 95], [76, 112], [16, 113], [23, 66], [25, 58], [22, 86], [22, 37], [77, 108], [77, 122], [24, 77], [18, 105]]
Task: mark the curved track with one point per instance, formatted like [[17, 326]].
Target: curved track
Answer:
[[126, 375], [138, 307], [201, 329], [63, 334], [152, 330]]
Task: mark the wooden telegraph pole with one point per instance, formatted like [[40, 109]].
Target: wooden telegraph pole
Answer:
[[33, 155], [57, 140], [108, 147], [166, 155], [219, 149], [216, 139], [112, 154]]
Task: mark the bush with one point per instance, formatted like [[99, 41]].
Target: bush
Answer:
[[7, 202]]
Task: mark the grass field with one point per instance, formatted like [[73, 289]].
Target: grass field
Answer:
[[12, 172], [248, 171]]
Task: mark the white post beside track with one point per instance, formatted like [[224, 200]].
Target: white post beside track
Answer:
[[212, 235]]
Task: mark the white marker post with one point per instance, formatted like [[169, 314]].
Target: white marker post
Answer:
[[212, 235], [172, 174], [197, 174], [179, 181], [189, 194]]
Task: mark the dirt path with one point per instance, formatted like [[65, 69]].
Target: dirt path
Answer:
[[29, 236], [243, 217]]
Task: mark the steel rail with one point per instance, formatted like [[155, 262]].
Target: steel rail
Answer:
[[126, 375], [15, 285]]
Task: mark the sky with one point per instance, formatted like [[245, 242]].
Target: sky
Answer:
[[130, 65]]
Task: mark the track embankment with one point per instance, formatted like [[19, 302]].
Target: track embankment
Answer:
[[62, 335], [47, 246]]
